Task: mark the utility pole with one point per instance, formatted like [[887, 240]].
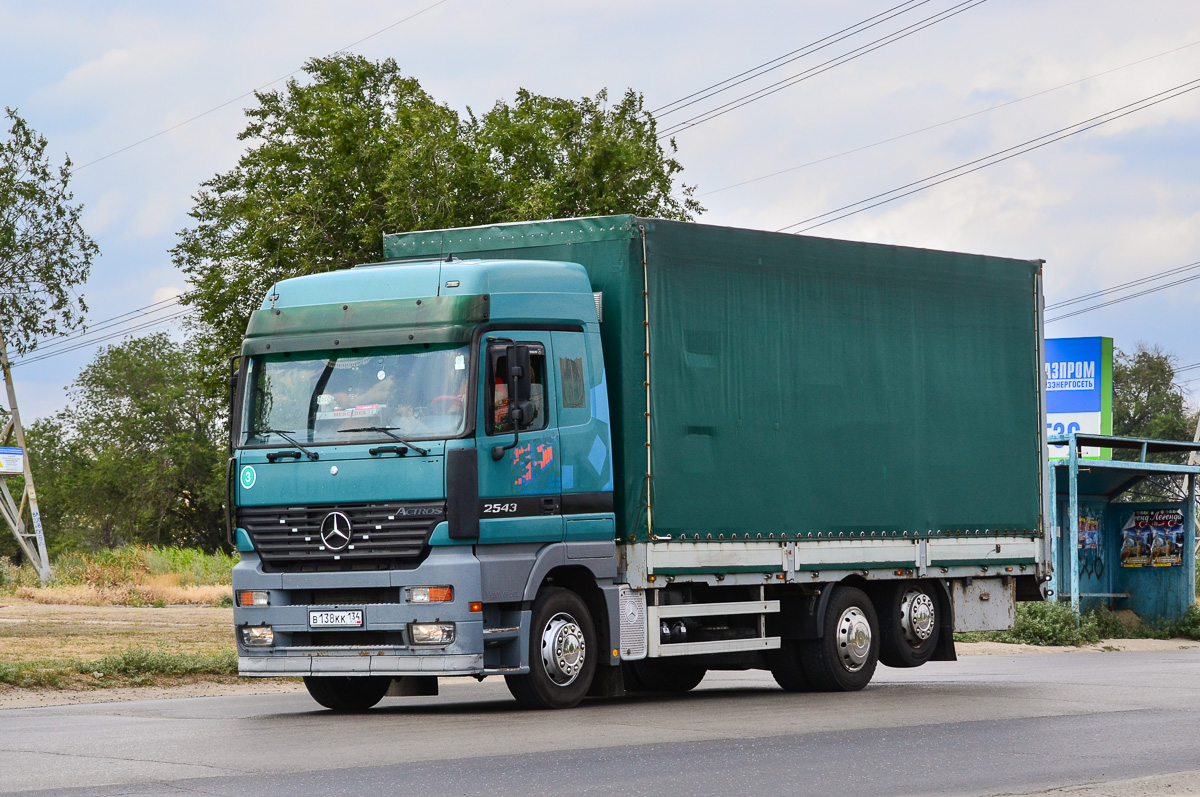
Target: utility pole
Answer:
[[14, 461]]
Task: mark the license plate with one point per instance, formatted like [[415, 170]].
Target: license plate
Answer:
[[344, 619]]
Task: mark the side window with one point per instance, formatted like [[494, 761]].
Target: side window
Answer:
[[570, 381], [497, 390]]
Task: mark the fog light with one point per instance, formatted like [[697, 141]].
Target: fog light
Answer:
[[258, 636], [256, 597], [431, 633], [430, 594]]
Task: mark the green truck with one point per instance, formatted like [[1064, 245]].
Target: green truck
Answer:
[[611, 454]]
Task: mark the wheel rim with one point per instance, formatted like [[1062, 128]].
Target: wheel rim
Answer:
[[917, 617], [563, 649], [853, 639]]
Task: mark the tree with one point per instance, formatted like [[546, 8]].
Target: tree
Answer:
[[1147, 402], [44, 252], [359, 150], [136, 456]]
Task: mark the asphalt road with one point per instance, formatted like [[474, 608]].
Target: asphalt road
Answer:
[[983, 725]]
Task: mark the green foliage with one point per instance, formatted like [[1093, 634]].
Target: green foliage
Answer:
[[1147, 402], [360, 149], [1189, 625], [44, 252], [119, 567], [135, 457], [137, 666], [1050, 623], [1054, 623], [193, 566]]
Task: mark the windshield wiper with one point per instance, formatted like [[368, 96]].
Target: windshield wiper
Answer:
[[284, 434], [387, 430]]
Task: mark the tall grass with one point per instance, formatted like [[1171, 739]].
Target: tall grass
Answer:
[[135, 667], [136, 574]]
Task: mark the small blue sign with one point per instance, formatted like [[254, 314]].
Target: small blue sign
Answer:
[[248, 477], [1074, 372]]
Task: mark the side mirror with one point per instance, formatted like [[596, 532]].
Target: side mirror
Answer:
[[520, 392], [520, 387]]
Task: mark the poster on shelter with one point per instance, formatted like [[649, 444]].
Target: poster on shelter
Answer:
[[1166, 547], [1153, 538], [1089, 531]]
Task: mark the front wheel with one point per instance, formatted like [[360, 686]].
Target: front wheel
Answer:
[[347, 692], [844, 658], [562, 653]]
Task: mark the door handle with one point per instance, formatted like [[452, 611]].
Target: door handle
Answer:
[[550, 505]]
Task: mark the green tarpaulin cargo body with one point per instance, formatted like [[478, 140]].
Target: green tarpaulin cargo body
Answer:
[[801, 386]]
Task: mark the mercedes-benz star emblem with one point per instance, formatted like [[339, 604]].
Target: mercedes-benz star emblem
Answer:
[[335, 531]]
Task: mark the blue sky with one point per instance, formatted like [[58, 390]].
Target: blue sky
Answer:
[[1102, 208]]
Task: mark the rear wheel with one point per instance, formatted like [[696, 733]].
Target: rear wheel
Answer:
[[347, 692], [656, 675], [562, 653], [844, 658], [909, 622]]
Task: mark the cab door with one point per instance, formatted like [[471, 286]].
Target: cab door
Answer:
[[520, 494]]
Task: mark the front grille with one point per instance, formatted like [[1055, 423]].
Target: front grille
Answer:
[[382, 536]]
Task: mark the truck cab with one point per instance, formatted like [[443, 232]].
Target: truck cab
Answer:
[[418, 451]]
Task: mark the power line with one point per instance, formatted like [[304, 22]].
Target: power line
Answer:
[[947, 122], [1021, 149], [117, 334], [138, 312], [845, 58], [253, 91], [1124, 298], [794, 55], [1123, 286]]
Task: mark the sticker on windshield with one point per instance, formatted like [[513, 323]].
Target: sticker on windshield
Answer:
[[460, 363], [381, 376], [361, 411], [324, 399], [247, 477]]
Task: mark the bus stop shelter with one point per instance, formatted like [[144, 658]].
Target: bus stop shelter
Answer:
[[1122, 554]]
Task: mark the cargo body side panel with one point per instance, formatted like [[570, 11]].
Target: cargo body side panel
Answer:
[[802, 385]]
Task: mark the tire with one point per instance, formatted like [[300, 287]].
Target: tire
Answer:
[[656, 675], [347, 692], [844, 658], [787, 669], [562, 653], [909, 623]]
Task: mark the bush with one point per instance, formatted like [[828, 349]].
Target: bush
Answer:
[[1054, 623]]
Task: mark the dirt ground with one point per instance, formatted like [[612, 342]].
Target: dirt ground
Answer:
[[37, 631]]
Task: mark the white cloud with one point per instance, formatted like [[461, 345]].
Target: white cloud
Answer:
[[1102, 207]]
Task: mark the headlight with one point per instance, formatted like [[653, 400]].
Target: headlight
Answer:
[[256, 597], [431, 633], [430, 594], [258, 636]]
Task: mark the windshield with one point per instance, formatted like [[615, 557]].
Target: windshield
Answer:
[[417, 392]]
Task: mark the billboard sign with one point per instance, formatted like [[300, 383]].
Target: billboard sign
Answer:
[[12, 461], [1079, 390]]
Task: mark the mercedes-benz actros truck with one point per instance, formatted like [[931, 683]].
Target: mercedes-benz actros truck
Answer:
[[610, 454]]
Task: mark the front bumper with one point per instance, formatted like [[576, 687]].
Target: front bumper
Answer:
[[384, 648]]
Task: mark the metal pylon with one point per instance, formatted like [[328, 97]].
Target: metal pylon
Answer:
[[32, 545]]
